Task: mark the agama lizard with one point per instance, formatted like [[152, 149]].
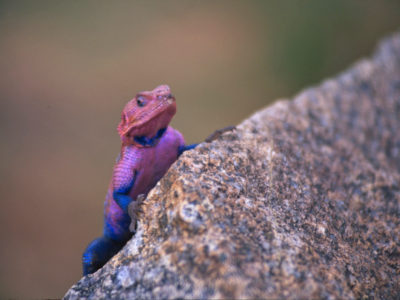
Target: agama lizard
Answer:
[[149, 147]]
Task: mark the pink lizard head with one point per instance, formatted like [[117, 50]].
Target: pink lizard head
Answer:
[[147, 113]]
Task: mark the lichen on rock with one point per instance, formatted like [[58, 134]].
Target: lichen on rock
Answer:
[[302, 200]]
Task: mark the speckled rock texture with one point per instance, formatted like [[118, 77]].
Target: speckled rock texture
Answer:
[[302, 201]]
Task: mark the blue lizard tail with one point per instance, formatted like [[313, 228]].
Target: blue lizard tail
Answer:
[[99, 252]]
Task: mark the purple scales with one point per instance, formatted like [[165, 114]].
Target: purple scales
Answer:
[[149, 147]]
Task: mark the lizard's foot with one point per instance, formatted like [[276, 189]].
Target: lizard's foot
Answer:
[[217, 133], [98, 253], [134, 210]]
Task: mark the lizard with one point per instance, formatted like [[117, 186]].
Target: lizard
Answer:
[[149, 147]]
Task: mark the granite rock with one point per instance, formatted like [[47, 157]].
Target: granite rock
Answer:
[[301, 200]]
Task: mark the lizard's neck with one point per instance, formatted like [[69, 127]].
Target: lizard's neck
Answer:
[[144, 141]]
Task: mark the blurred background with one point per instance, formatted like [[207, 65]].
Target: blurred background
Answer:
[[68, 67]]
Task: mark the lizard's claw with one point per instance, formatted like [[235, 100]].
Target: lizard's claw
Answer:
[[135, 210], [217, 133]]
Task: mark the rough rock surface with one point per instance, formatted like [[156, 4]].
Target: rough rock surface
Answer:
[[301, 201]]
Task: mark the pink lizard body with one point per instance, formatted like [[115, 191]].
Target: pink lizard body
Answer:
[[149, 147], [149, 164]]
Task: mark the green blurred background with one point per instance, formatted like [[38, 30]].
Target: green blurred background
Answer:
[[68, 68]]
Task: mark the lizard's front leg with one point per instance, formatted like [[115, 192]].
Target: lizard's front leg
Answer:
[[116, 219], [124, 177], [215, 135], [184, 148], [121, 195]]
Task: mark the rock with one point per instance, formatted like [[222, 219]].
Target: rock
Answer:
[[302, 200]]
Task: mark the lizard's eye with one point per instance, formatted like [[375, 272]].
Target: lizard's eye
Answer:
[[140, 101]]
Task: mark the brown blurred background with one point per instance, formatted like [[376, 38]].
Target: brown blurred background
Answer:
[[68, 67]]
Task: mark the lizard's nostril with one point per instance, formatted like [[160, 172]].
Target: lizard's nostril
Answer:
[[169, 96]]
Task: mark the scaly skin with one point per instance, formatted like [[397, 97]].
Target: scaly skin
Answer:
[[149, 147]]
